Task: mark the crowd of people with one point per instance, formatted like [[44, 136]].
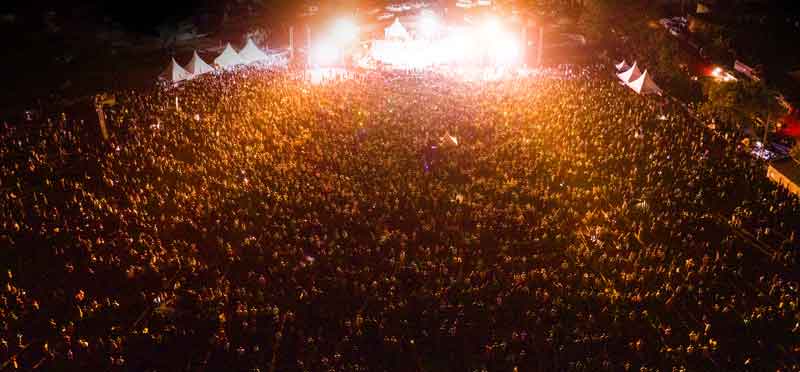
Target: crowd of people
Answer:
[[383, 221]]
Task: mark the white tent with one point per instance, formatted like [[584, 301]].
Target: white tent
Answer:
[[396, 31], [251, 53], [228, 58], [631, 74], [644, 85], [197, 66], [174, 73], [622, 65]]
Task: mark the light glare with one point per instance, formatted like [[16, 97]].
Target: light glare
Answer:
[[506, 51], [492, 28], [324, 54], [429, 25], [345, 31]]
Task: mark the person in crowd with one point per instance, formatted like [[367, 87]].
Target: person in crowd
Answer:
[[250, 220]]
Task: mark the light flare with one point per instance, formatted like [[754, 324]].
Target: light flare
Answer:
[[324, 53], [345, 31]]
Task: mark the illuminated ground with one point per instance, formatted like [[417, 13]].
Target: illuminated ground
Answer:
[[394, 223]]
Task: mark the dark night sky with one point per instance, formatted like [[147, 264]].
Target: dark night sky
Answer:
[[141, 15], [146, 14]]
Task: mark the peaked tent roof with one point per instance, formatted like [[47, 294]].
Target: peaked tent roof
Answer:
[[396, 31], [229, 57], [644, 85], [197, 66], [251, 53], [631, 74], [622, 65], [175, 73]]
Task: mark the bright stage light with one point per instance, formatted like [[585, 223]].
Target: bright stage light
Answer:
[[429, 25], [492, 28], [458, 46], [502, 46], [506, 50], [721, 75], [324, 54], [345, 31]]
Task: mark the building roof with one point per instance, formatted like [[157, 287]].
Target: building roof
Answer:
[[789, 169]]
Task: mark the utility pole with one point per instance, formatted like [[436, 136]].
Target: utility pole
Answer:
[[101, 117], [308, 44], [540, 47], [524, 39], [101, 100], [308, 37], [291, 43], [766, 129]]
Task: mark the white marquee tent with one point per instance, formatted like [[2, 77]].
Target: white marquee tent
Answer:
[[174, 73], [197, 66], [251, 53], [644, 85], [622, 65], [396, 31], [631, 74], [229, 58]]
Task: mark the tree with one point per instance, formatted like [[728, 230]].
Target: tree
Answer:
[[721, 103], [743, 101], [795, 152], [768, 107], [718, 41], [596, 19], [667, 62]]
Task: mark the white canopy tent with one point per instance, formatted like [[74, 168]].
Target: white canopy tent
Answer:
[[251, 53], [644, 85], [396, 31], [174, 73], [228, 58], [629, 75], [197, 66], [622, 65]]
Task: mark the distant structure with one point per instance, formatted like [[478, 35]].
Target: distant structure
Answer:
[[787, 174]]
